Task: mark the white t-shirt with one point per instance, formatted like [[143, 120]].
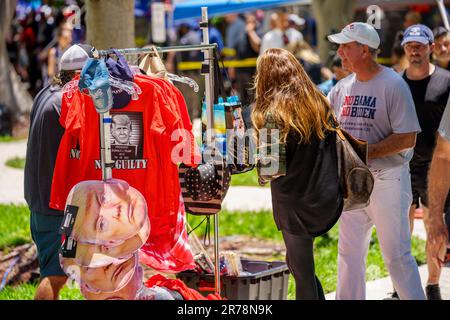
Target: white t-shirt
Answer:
[[274, 38], [373, 110]]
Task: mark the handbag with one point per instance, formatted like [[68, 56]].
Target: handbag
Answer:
[[204, 187], [354, 176], [271, 156]]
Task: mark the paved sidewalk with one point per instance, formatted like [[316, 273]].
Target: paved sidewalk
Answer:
[[381, 288], [248, 199], [11, 180]]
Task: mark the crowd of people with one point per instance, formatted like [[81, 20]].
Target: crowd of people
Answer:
[[398, 113], [403, 113], [37, 40]]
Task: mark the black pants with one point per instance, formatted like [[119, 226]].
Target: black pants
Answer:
[[300, 260]]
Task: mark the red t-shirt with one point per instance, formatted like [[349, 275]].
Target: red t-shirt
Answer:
[[142, 157]]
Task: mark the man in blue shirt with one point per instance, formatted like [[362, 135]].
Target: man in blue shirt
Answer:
[[338, 74]]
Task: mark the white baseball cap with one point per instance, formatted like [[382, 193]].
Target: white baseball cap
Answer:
[[75, 57], [360, 32], [296, 19]]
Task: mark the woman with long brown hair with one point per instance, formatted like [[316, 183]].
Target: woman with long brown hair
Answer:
[[306, 200]]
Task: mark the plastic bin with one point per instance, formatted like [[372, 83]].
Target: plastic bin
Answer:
[[268, 281]]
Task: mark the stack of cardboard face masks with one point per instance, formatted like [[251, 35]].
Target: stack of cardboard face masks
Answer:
[[104, 226]]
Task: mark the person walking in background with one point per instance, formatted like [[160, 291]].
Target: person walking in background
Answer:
[[441, 52], [339, 73], [411, 18], [234, 33], [438, 229], [296, 22], [375, 104], [282, 35], [189, 35], [310, 61], [43, 142], [430, 88], [398, 57], [306, 200], [235, 26], [247, 46], [64, 36]]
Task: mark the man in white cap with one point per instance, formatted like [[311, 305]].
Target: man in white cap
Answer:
[[375, 104], [43, 142]]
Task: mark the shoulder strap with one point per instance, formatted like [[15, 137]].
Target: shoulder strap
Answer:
[[335, 124]]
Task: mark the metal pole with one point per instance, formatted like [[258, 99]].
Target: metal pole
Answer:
[[441, 6], [210, 132], [195, 47], [105, 145]]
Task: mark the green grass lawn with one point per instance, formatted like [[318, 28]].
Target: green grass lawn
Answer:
[[16, 162], [26, 292], [6, 138], [248, 179], [10, 138], [261, 224], [14, 226], [14, 230]]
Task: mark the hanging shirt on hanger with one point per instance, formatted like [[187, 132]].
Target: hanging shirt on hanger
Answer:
[[141, 149]]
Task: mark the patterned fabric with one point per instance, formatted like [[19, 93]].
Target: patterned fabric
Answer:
[[175, 259], [195, 194], [271, 152]]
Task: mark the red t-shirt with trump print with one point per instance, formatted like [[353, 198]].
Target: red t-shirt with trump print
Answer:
[[141, 149]]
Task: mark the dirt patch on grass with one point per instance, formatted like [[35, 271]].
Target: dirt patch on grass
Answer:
[[19, 265]]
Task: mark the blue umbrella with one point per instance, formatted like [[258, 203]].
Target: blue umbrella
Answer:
[[191, 8]]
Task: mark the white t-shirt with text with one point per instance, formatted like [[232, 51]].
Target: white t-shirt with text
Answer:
[[373, 110]]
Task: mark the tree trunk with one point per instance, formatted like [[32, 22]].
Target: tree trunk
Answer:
[[110, 23], [331, 16], [13, 93]]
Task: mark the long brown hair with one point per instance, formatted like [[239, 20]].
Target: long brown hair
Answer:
[[283, 89]]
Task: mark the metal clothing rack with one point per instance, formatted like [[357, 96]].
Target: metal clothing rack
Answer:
[[208, 72]]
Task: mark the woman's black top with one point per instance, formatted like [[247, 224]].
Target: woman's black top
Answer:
[[308, 199]]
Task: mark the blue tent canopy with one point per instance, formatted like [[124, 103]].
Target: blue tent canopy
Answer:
[[192, 8]]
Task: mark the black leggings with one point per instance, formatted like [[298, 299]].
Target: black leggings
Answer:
[[300, 260]]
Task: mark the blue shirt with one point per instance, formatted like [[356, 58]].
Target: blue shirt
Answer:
[[326, 86], [216, 37]]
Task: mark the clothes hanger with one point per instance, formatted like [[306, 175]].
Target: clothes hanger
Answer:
[[128, 86], [153, 66], [188, 81]]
